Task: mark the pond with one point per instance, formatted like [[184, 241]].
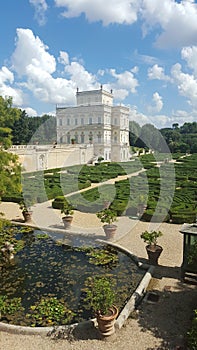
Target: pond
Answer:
[[47, 270]]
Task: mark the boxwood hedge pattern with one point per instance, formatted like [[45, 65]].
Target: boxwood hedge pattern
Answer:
[[124, 195]]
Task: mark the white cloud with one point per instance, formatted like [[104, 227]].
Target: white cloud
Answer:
[[16, 94], [111, 11], [178, 20], [38, 66], [120, 94], [7, 77], [135, 70], [186, 84], [30, 50], [147, 59], [157, 103], [80, 77], [31, 112], [125, 80], [49, 89], [40, 10], [190, 55], [63, 58], [157, 72], [101, 72]]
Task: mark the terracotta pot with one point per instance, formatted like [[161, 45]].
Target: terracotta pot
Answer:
[[67, 220], [27, 216], [106, 322], [153, 255], [110, 231]]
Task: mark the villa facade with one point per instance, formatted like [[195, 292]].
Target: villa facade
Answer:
[[96, 121]]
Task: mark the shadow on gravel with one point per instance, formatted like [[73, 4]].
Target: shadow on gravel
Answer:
[[168, 313]]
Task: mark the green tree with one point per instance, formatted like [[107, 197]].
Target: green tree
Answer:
[[21, 132], [8, 115], [10, 168], [10, 174], [175, 126]]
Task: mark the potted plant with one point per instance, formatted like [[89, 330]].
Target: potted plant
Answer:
[[25, 206], [100, 297], [108, 216], [68, 210], [153, 249], [73, 141]]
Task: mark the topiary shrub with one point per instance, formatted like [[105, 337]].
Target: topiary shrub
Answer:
[[58, 202], [183, 218]]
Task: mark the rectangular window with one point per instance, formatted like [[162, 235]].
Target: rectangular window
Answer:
[[68, 121], [76, 121], [82, 121], [60, 122], [99, 120], [90, 120]]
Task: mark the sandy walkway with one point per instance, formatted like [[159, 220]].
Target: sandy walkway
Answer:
[[159, 326]]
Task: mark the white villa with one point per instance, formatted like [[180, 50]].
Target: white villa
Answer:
[[94, 125], [94, 120]]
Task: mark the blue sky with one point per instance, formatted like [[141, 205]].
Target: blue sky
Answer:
[[145, 50]]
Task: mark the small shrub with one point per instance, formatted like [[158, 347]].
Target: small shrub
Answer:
[[99, 294]]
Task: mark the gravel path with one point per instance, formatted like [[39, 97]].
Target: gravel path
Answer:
[[161, 325]]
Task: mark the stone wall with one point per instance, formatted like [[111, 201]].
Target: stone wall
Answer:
[[41, 157]]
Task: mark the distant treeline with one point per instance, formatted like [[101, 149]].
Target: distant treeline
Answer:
[[176, 139], [34, 129], [17, 128]]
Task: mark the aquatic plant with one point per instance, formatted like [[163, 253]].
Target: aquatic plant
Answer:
[[49, 311], [9, 306], [103, 256]]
